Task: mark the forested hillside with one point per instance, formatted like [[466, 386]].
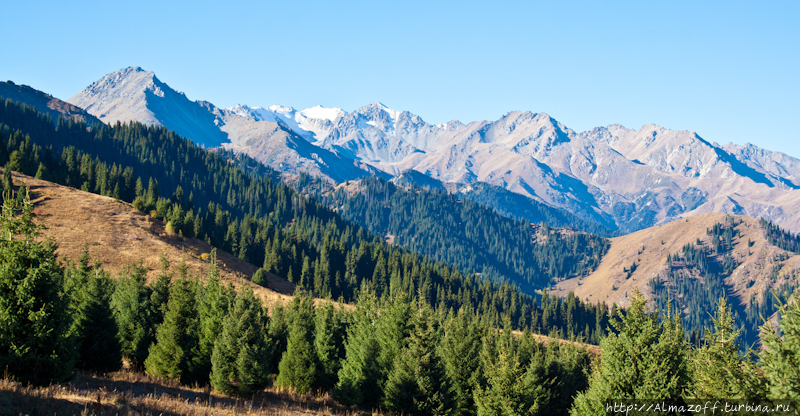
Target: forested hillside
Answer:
[[422, 337], [244, 211], [459, 231]]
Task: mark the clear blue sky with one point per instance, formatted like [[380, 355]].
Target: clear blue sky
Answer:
[[728, 70]]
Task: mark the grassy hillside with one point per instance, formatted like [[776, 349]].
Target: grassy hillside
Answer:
[[118, 235], [755, 268]]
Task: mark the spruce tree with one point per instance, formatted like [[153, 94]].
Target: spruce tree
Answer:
[[35, 346], [212, 306], [278, 333], [508, 388], [298, 367], [171, 354], [130, 303], [98, 345], [780, 355], [418, 383], [461, 346], [360, 375], [328, 339], [645, 359], [719, 371], [159, 294], [241, 356], [392, 330]]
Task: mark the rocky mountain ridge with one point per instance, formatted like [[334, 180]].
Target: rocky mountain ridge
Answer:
[[621, 178]]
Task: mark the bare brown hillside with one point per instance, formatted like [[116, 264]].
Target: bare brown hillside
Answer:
[[649, 248], [118, 235]]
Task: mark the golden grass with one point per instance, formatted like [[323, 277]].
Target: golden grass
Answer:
[[649, 249], [127, 393], [118, 235]]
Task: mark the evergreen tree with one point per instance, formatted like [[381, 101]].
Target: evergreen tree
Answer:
[[461, 346], [780, 356], [260, 278], [34, 343], [240, 361], [328, 339], [392, 330], [171, 355], [212, 306], [41, 172], [508, 389], [130, 303], [360, 375], [278, 333], [645, 359], [98, 345], [298, 367], [718, 369], [418, 383], [159, 294]]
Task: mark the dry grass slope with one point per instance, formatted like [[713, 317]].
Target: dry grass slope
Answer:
[[118, 235], [649, 249]]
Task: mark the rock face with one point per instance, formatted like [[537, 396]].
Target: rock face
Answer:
[[620, 178]]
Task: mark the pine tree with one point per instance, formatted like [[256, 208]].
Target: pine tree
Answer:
[[780, 356], [159, 294], [240, 361], [718, 370], [34, 343], [360, 375], [98, 345], [298, 367], [418, 383], [328, 339], [508, 388], [171, 354], [212, 307], [130, 303], [645, 360], [461, 345], [278, 333]]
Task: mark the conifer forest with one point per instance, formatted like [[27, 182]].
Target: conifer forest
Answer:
[[408, 301]]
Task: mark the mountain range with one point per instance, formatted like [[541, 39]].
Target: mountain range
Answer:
[[620, 178]]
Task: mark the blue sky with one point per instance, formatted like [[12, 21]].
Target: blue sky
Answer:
[[728, 70]]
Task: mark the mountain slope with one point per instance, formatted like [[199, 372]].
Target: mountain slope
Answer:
[[260, 220], [133, 94], [662, 262], [45, 103], [613, 176], [118, 235], [619, 178]]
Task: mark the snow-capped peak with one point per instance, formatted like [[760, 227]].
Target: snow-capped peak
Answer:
[[242, 110], [279, 109], [320, 112], [392, 113]]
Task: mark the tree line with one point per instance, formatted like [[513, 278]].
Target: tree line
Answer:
[[459, 231], [695, 280], [389, 352], [236, 205]]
